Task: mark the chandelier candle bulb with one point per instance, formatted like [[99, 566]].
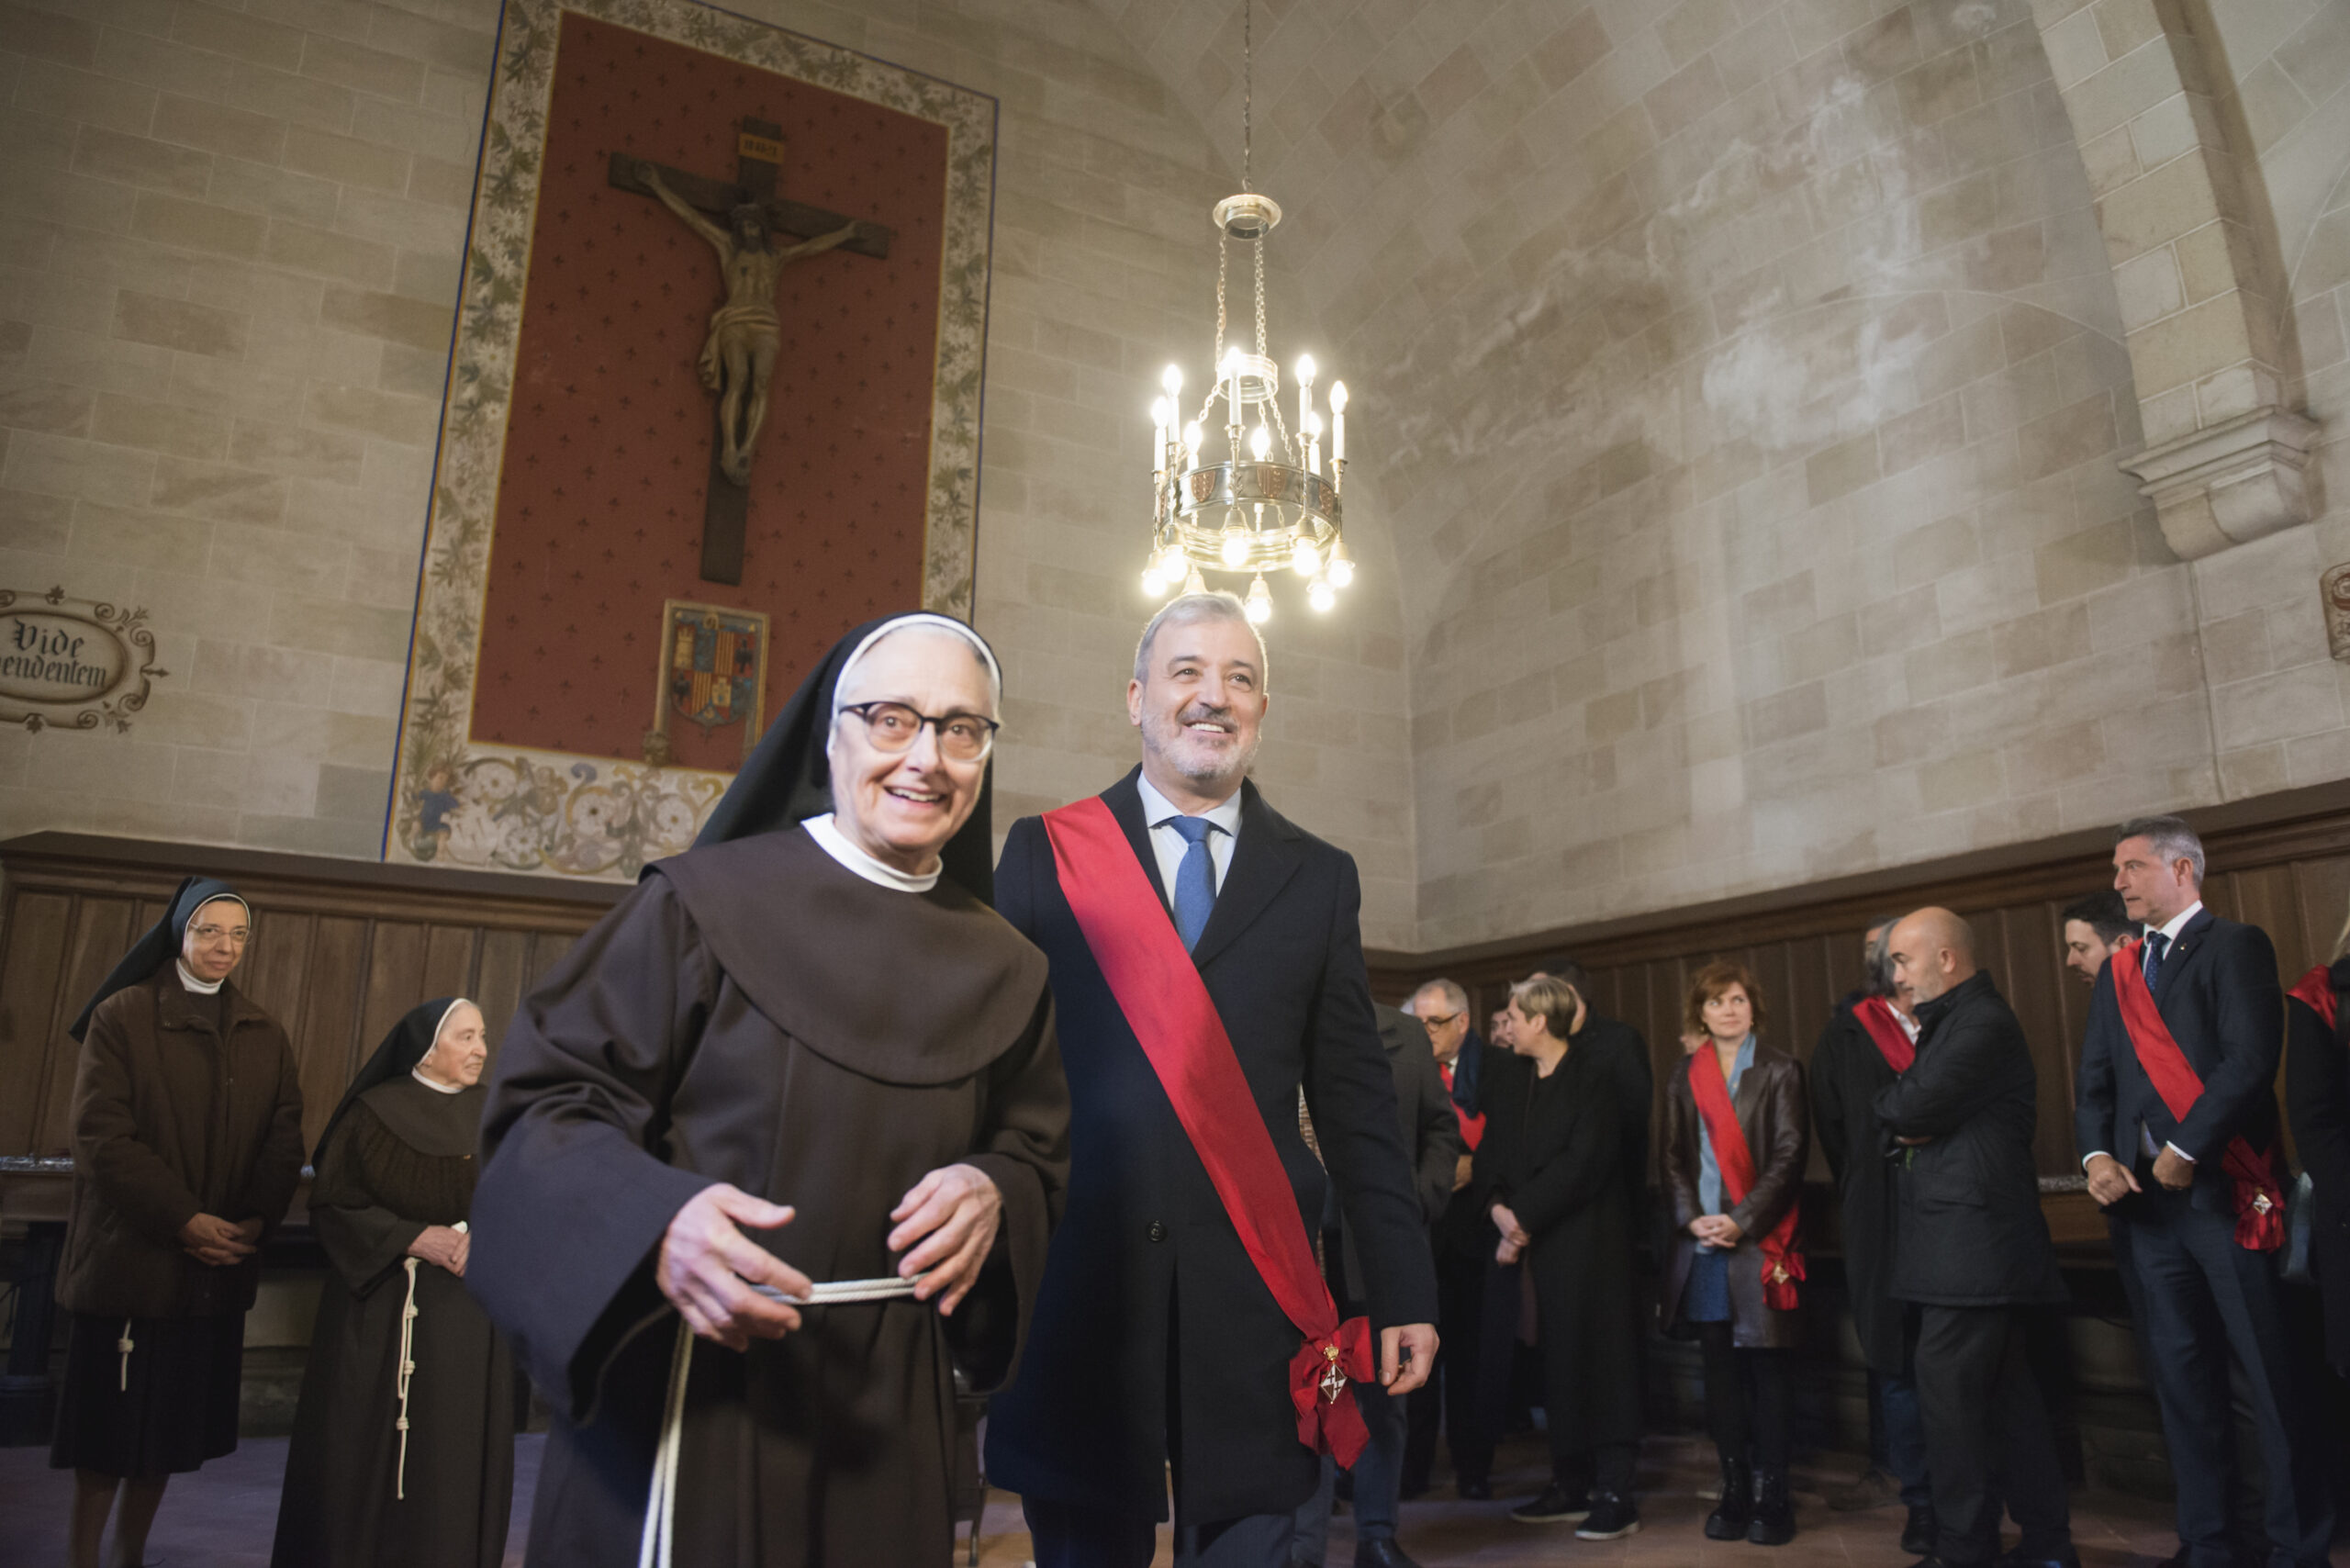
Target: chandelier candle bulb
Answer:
[[1342, 569], [1304, 390], [1172, 378], [1261, 441], [1319, 595], [1260, 602], [1337, 421]]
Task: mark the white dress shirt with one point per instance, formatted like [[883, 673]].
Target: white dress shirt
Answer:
[[2170, 930], [1169, 846]]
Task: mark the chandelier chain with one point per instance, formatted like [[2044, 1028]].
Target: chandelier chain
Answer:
[[1248, 91]]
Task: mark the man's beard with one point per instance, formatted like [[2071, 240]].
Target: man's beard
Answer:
[[1196, 763]]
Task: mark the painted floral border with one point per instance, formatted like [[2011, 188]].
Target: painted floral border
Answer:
[[456, 803]]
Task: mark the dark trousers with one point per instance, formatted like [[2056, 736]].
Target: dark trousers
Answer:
[[1750, 1399], [2203, 1296], [1897, 1435], [1987, 1436], [1449, 1396], [1068, 1537]]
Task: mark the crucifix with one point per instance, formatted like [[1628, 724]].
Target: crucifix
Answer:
[[738, 357]]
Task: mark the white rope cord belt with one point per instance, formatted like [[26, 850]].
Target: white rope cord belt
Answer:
[[661, 1507], [126, 1346], [406, 1370]]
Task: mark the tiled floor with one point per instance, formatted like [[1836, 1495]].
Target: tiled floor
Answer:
[[222, 1516]]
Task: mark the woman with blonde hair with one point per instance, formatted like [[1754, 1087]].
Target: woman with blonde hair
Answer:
[[1551, 1176], [1736, 1136]]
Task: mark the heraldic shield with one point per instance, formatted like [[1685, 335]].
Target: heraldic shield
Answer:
[[713, 671]]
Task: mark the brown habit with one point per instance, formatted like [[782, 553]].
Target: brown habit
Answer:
[[757, 1014]]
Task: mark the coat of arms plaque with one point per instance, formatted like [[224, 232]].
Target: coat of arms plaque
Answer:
[[713, 673]]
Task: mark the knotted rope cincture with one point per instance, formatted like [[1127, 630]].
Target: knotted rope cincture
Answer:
[[405, 1370], [126, 1346], [661, 1507]]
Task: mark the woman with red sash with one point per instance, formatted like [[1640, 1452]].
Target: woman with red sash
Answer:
[[1735, 1140], [2316, 1105]]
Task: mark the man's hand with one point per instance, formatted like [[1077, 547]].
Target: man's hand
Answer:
[[210, 1239], [2110, 1179], [705, 1261], [1396, 1375], [1913, 1142], [1460, 1171], [1507, 1252], [958, 1209], [442, 1248], [1506, 1221], [2173, 1169]]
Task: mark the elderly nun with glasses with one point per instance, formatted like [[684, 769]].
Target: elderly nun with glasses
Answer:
[[187, 1144], [777, 1149]]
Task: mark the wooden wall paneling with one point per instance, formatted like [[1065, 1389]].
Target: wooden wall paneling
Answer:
[[276, 970], [103, 929], [501, 975], [325, 1039], [395, 980], [2035, 981], [2263, 897], [449, 954], [28, 1006], [2322, 891]]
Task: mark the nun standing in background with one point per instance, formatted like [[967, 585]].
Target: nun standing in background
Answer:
[[403, 1447], [187, 1144]]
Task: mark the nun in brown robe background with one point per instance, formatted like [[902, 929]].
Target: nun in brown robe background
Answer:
[[187, 1144], [806, 1054], [403, 1449]]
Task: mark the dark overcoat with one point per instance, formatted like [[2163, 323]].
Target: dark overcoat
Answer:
[[173, 1117], [1617, 1050], [1554, 1153], [2317, 1098], [1846, 1074], [1423, 1119], [1772, 1112], [1465, 1233], [1147, 1287], [1971, 1230], [2216, 991]]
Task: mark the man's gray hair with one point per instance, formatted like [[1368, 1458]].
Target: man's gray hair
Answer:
[[1876, 964], [1186, 607], [1455, 998], [2172, 839]]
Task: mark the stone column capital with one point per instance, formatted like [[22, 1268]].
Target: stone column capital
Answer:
[[2228, 483]]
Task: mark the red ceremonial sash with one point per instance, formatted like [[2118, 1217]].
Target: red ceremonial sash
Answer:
[[2316, 989], [1893, 1042], [1782, 1264], [1160, 991], [1473, 1128], [2257, 1196]]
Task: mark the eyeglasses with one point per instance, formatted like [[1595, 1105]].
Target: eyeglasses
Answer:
[[1441, 1021], [235, 935], [894, 727]]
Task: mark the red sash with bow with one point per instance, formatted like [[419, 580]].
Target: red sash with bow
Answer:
[[2256, 1194], [1782, 1264], [1159, 988], [1893, 1042], [2315, 989]]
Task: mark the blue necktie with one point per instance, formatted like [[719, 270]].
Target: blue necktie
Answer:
[[1194, 878], [2156, 946]]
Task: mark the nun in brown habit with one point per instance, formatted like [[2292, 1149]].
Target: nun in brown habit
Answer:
[[187, 1144], [804, 1056], [403, 1449]]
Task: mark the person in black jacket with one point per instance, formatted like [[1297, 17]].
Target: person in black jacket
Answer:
[[1463, 1245], [2317, 1103], [1156, 1338], [1850, 1068], [1551, 1175], [1617, 1045], [1973, 1248], [2166, 1178]]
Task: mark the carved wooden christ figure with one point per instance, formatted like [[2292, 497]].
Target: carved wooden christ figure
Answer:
[[744, 332], [739, 354]]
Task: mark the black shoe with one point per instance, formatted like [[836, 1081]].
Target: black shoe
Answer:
[[1774, 1511], [1612, 1517], [1557, 1505], [1736, 1510], [1381, 1554], [1474, 1489], [1919, 1534]]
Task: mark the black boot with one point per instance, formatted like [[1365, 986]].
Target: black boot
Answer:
[[1919, 1534], [1736, 1510], [1774, 1511]]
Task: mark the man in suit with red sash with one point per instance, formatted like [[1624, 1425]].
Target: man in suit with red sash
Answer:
[[2176, 1122], [1182, 1322]]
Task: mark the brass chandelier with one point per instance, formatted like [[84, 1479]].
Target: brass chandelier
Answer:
[[1269, 503]]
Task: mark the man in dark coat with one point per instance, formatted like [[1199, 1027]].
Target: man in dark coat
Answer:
[[1158, 1339], [1617, 1049], [1974, 1250], [2164, 1178], [2317, 1101], [1850, 1068], [1463, 1239]]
